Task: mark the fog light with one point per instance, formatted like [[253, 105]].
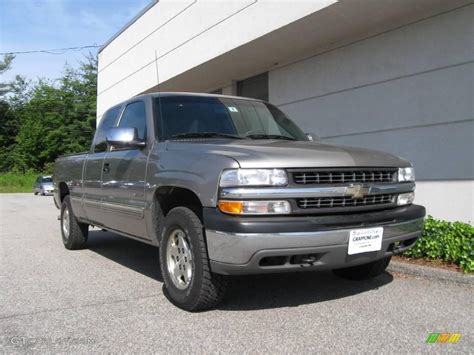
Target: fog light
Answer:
[[254, 207], [405, 199]]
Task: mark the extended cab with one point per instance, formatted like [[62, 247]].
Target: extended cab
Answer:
[[228, 185]]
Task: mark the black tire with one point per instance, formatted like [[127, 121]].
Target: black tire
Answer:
[[205, 289], [36, 192], [76, 237], [364, 271]]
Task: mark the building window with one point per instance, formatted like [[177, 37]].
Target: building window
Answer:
[[255, 87]]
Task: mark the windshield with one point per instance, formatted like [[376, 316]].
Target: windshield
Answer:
[[216, 117], [47, 180]]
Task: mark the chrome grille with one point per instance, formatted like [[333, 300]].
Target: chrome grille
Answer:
[[344, 176], [334, 202]]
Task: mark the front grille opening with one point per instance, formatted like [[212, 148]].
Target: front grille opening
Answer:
[[334, 202], [409, 242], [273, 261], [344, 176], [401, 245], [304, 259]]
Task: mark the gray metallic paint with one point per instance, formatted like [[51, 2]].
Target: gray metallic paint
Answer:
[[290, 154], [317, 191], [239, 248], [328, 257], [124, 200]]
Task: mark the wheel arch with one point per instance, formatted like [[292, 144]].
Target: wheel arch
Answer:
[[63, 191], [167, 197], [170, 196]]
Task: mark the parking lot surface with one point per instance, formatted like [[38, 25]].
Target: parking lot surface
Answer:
[[109, 298]]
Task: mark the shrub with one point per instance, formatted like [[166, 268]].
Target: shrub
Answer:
[[451, 242], [17, 182]]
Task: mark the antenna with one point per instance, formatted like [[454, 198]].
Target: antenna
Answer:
[[156, 66], [159, 96]]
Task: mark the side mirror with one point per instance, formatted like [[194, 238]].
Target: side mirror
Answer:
[[312, 137], [124, 137]]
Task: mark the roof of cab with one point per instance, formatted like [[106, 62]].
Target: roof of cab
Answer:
[[199, 94], [178, 93]]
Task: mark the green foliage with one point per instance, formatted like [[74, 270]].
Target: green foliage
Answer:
[[5, 64], [40, 121], [17, 182], [451, 242]]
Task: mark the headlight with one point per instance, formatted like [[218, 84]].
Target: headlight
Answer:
[[253, 177], [406, 174], [254, 207], [405, 199]]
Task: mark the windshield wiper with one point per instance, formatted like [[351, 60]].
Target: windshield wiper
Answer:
[[270, 136], [205, 135]]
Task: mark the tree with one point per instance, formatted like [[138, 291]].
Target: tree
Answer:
[[8, 122], [55, 118], [5, 65]]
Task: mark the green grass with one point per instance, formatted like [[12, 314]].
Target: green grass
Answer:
[[17, 182]]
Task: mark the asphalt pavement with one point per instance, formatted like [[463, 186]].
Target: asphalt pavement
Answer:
[[109, 298]]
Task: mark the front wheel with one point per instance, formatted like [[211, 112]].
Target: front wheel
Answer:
[[74, 234], [189, 282], [365, 271]]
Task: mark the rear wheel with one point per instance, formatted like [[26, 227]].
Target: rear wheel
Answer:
[[365, 271], [189, 282], [74, 234]]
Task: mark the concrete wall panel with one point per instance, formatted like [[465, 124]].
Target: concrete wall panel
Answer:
[[438, 152], [440, 41], [438, 96], [408, 91]]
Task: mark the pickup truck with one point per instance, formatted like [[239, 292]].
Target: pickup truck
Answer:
[[228, 185]]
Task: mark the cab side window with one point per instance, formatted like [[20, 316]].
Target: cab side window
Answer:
[[108, 121], [134, 116]]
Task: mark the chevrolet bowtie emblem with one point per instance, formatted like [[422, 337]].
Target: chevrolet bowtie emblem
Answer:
[[357, 191]]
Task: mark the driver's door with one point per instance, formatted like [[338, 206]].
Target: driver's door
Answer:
[[123, 177]]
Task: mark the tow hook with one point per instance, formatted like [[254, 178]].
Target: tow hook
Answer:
[[308, 260]]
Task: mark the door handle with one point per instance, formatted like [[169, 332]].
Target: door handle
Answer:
[[106, 168]]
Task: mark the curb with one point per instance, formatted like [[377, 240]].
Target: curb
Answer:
[[431, 272]]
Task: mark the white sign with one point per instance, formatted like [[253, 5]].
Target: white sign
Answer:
[[364, 240]]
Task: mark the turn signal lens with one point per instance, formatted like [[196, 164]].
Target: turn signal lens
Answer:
[[254, 207], [233, 207]]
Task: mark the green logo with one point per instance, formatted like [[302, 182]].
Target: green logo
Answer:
[[452, 338]]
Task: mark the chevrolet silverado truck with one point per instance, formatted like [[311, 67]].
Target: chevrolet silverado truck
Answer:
[[227, 185]]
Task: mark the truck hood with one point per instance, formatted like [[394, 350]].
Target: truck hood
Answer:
[[289, 154]]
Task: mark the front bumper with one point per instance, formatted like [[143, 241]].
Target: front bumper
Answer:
[[253, 245]]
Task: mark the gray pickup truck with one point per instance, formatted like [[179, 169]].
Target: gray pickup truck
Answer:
[[229, 186]]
